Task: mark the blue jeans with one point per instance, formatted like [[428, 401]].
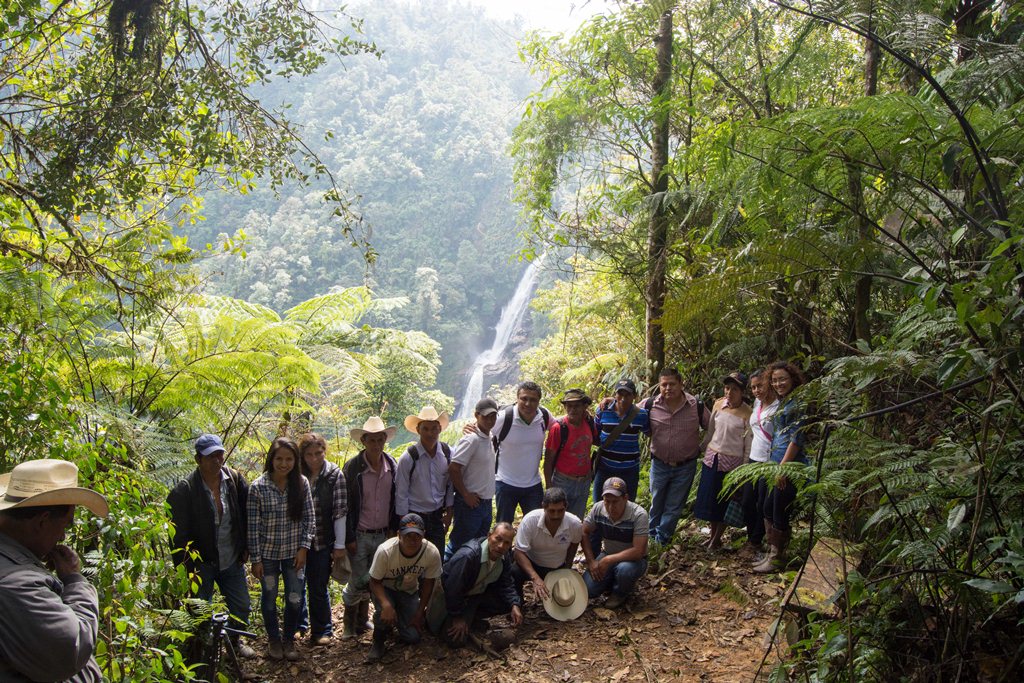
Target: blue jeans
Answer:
[[508, 497], [670, 487], [356, 590], [577, 491], [294, 586], [233, 587], [468, 523], [318, 576], [620, 580], [405, 605], [629, 475]]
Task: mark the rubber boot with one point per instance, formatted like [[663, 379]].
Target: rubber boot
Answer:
[[377, 649], [767, 563], [363, 623], [769, 534], [349, 617]]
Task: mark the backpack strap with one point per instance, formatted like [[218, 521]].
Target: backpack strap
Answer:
[[414, 453], [563, 438], [506, 427]]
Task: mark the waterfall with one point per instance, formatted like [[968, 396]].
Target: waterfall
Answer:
[[511, 316]]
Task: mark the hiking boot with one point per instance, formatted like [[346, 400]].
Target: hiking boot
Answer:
[[275, 650], [615, 601], [322, 640], [244, 651], [349, 622], [289, 651], [363, 623]]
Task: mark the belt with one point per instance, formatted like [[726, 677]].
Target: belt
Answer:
[[567, 476], [676, 464], [383, 530], [438, 511]]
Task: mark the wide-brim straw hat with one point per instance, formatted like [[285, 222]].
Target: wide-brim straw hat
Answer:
[[47, 482], [567, 594], [427, 414], [374, 425]]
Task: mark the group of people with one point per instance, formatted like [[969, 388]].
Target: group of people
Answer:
[[428, 536]]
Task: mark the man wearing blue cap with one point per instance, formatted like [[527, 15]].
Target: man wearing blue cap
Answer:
[[208, 509]]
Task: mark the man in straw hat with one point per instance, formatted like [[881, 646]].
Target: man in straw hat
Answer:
[[567, 451], [208, 508], [546, 540], [371, 519], [48, 624], [621, 527], [472, 475], [422, 484]]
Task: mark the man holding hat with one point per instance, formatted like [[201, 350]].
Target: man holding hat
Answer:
[[620, 424], [567, 452], [49, 624], [546, 540], [402, 579], [208, 509], [371, 519], [421, 483], [621, 526], [472, 475]]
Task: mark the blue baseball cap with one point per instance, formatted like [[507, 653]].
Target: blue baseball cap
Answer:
[[209, 444]]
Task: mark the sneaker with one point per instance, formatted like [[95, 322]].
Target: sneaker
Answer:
[[275, 650], [244, 651], [289, 651], [615, 601]]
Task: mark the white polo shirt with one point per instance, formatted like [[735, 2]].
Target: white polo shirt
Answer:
[[542, 547], [476, 455], [521, 451]]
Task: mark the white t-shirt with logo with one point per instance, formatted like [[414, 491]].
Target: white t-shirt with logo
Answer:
[[401, 573]]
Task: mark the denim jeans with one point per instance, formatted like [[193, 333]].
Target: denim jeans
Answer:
[[233, 587], [631, 476], [508, 497], [405, 605], [468, 523], [577, 491], [621, 579], [356, 590], [670, 487], [294, 585], [318, 576]]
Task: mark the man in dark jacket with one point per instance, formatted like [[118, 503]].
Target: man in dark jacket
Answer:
[[477, 583], [208, 509], [371, 520]]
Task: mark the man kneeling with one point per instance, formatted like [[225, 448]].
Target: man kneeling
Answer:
[[402, 577], [621, 526], [477, 583]]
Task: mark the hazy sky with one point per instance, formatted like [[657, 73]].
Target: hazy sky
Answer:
[[549, 15]]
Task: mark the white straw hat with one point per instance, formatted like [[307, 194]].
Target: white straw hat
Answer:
[[374, 425], [47, 482], [427, 414], [567, 594]]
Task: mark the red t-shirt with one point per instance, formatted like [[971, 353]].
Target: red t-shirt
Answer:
[[574, 458]]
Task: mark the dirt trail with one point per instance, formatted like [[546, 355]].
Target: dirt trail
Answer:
[[696, 617]]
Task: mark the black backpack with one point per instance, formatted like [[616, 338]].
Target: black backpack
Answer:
[[506, 427], [414, 453], [563, 436]]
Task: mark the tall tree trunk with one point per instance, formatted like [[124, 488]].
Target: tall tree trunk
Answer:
[[862, 288], [657, 233]]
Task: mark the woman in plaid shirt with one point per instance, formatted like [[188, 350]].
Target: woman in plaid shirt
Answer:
[[281, 526]]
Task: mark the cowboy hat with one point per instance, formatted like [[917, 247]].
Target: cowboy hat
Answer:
[[341, 570], [374, 425], [567, 594], [427, 414], [47, 482]]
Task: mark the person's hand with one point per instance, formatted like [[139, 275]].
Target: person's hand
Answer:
[[338, 554], [470, 428], [472, 500], [606, 403], [351, 548], [540, 589], [257, 571], [446, 517], [419, 621], [782, 483], [517, 616], [64, 561], [596, 572], [606, 564], [458, 630], [388, 614], [300, 558]]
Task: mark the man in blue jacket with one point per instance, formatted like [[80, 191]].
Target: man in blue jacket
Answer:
[[476, 583]]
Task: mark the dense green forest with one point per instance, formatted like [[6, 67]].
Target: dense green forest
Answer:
[[839, 184], [419, 133]]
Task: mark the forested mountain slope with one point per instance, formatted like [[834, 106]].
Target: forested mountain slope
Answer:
[[419, 134]]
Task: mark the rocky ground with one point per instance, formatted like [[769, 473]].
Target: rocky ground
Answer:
[[696, 617]]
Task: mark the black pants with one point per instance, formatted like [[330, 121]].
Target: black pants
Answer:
[[435, 527], [754, 495], [521, 577]]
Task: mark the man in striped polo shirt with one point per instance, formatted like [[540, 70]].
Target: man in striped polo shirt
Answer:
[[618, 557], [619, 455]]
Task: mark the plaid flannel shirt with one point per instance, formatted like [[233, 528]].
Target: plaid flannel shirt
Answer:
[[272, 534]]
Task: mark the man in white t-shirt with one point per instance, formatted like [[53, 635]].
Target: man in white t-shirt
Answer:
[[519, 431], [472, 474], [546, 540], [402, 578]]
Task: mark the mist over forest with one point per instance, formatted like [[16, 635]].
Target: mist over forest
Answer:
[[419, 136]]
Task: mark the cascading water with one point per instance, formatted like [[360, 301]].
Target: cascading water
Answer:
[[511, 316]]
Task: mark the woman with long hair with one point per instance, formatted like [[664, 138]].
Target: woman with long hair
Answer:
[[281, 527], [761, 428], [787, 446]]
